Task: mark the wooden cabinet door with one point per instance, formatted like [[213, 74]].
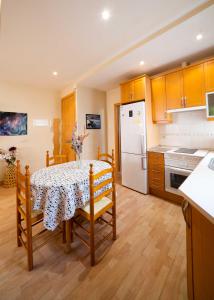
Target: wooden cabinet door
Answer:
[[209, 76], [159, 100], [126, 92], [174, 90], [138, 89], [203, 256], [193, 84], [188, 217], [68, 106]]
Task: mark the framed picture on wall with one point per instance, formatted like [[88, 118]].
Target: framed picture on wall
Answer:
[[93, 121], [12, 123]]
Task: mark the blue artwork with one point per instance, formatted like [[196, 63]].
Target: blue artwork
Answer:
[[13, 123]]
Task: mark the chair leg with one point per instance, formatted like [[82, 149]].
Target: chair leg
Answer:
[[92, 248], [18, 222], [30, 251], [114, 223], [68, 237], [72, 230], [63, 232]]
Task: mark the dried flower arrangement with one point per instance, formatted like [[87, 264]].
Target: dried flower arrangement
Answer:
[[8, 156], [77, 141]]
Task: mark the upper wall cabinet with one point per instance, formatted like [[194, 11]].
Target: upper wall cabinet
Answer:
[[174, 90], [185, 88], [126, 92], [193, 85], [139, 89], [133, 90], [159, 113], [209, 76]]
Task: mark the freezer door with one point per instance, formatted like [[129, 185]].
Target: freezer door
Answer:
[[133, 128], [134, 172]]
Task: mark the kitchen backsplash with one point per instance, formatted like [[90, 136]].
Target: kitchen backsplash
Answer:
[[188, 129]]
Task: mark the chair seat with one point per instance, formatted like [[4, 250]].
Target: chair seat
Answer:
[[99, 207], [36, 215]]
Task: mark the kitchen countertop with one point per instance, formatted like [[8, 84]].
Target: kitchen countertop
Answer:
[[171, 149], [198, 188], [161, 149]]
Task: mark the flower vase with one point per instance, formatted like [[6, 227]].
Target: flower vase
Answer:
[[79, 161], [10, 176]]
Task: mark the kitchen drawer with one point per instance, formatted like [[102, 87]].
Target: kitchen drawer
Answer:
[[156, 158], [156, 180], [156, 174]]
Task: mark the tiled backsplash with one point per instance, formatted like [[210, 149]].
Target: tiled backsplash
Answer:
[[188, 129]]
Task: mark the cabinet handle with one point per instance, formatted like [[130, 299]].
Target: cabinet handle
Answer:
[[184, 207], [185, 101], [182, 101]]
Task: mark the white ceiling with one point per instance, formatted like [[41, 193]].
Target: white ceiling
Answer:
[[68, 36], [166, 51]]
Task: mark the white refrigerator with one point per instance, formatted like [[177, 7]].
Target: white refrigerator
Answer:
[[133, 146]]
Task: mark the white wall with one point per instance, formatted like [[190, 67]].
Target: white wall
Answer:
[[113, 96], [92, 101], [189, 129], [38, 104]]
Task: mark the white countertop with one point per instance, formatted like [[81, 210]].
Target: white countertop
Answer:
[[198, 188]]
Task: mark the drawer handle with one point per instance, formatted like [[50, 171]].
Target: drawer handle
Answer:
[[184, 207]]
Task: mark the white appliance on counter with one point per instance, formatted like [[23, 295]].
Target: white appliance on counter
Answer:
[[133, 146], [179, 164]]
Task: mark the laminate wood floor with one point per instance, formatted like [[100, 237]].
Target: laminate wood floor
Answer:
[[147, 261]]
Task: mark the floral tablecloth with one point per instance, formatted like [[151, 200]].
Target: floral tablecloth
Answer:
[[59, 190]]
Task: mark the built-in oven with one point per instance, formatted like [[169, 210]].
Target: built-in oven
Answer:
[[174, 177]]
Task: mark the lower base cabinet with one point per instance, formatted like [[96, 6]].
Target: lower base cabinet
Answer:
[[156, 176], [200, 254]]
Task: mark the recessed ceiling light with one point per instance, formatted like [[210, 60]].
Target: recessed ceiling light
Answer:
[[142, 63], [199, 37], [55, 73], [106, 15]]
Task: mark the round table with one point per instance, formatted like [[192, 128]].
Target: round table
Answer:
[[59, 190]]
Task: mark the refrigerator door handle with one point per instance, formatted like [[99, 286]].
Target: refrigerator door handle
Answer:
[[142, 164], [143, 146]]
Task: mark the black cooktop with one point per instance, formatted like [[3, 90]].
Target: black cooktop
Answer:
[[186, 150]]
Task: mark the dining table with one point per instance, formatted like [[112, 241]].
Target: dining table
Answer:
[[61, 189]]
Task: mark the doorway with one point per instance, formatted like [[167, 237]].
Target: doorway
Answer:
[[68, 106], [117, 140]]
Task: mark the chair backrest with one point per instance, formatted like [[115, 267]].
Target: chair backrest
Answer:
[[55, 159], [106, 157], [23, 193], [100, 186]]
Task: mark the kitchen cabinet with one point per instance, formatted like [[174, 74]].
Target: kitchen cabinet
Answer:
[[133, 90], [174, 90], [209, 76], [200, 254], [126, 92], [138, 89], [156, 171], [156, 177], [185, 88], [193, 86], [159, 113]]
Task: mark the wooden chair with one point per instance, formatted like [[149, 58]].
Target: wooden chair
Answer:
[[55, 159], [98, 205], [26, 217], [106, 157]]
